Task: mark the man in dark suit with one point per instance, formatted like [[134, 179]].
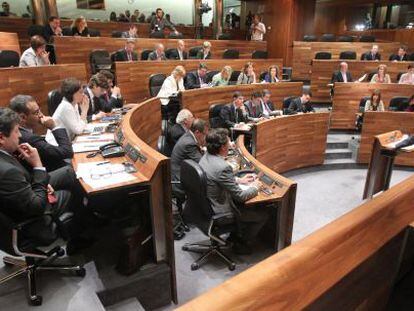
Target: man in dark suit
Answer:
[[112, 95], [342, 75], [372, 55], [301, 104], [196, 79], [158, 54], [127, 54], [179, 53], [31, 119], [97, 87], [52, 29], [234, 112], [268, 108], [401, 55], [254, 107], [184, 120], [159, 23]]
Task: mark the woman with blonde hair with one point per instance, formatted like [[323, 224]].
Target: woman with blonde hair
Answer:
[[223, 77], [172, 85], [80, 27], [247, 76], [381, 76], [272, 74], [205, 52]]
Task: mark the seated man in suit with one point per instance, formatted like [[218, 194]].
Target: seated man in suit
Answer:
[[158, 53], [372, 55], [183, 123], [234, 112], [196, 79], [112, 95], [254, 107], [342, 75], [401, 55], [131, 33], [225, 194], [179, 53], [97, 87], [31, 119], [127, 54], [205, 52], [52, 29], [268, 108], [301, 104]]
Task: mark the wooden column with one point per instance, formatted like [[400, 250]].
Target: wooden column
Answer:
[[51, 8], [218, 18], [197, 20], [38, 8]]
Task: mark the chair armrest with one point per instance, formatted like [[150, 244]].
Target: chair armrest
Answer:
[[222, 216], [20, 225]]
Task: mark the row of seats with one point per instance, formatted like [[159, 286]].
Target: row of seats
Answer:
[[332, 38], [397, 103], [351, 55], [66, 31]]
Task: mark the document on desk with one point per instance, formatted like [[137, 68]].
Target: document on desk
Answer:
[[244, 187], [96, 127], [94, 137], [103, 174], [394, 143], [88, 146]]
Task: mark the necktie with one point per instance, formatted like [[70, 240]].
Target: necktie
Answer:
[[129, 56]]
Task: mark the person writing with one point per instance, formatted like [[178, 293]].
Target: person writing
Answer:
[[197, 79], [36, 55], [301, 104]]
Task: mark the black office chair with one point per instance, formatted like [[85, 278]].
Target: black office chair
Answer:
[[145, 54], [259, 55], [327, 38], [286, 103], [224, 36], [399, 76], [362, 103], [9, 58], [323, 55], [367, 38], [15, 242], [169, 53], [310, 38], [67, 31], [198, 211], [262, 75], [157, 35], [233, 78], [94, 32], [100, 60], [155, 83], [411, 57], [54, 98], [36, 30], [398, 103], [231, 54], [287, 73], [162, 146], [345, 39], [214, 115], [210, 75], [348, 55], [192, 53], [370, 75], [116, 34], [174, 35]]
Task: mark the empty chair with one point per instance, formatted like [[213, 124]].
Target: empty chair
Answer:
[[210, 75], [345, 39], [174, 35], [157, 35], [348, 55], [367, 38], [224, 36], [192, 53], [323, 55], [411, 57], [9, 58], [327, 37], [286, 103], [233, 78], [398, 103], [145, 54], [94, 33], [231, 54], [54, 98], [66, 31], [214, 115], [100, 60], [287, 73], [310, 38], [169, 53], [259, 55], [116, 34], [155, 83], [35, 30]]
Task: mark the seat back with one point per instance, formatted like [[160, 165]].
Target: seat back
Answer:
[[145, 54], [9, 58], [100, 60], [234, 75], [155, 83], [116, 34], [214, 115], [392, 56], [262, 76], [345, 39], [398, 103], [411, 57], [192, 53], [169, 53], [310, 38], [174, 35], [162, 146], [35, 30], [94, 32], [286, 103], [328, 37], [198, 210], [259, 55], [210, 75], [362, 103], [157, 35], [348, 55], [287, 73], [370, 75], [224, 36], [6, 236], [231, 54], [323, 55], [66, 31], [54, 98], [366, 38]]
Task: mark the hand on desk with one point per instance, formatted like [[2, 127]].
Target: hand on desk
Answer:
[[100, 115], [246, 179]]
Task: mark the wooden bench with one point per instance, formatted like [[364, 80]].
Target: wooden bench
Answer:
[[376, 123], [322, 71], [348, 95], [9, 41], [17, 25], [304, 53], [133, 77]]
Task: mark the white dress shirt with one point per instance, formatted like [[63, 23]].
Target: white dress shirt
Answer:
[[168, 88], [344, 77], [30, 59], [258, 35]]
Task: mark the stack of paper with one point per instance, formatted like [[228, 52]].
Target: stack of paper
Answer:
[[87, 146]]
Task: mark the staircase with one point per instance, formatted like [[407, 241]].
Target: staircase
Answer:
[[341, 150]]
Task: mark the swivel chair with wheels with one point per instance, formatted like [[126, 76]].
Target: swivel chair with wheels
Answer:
[[198, 211]]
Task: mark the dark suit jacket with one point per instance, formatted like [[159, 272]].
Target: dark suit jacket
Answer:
[[200, 54], [96, 105], [254, 112], [175, 133], [122, 56], [230, 116], [297, 106], [270, 105], [368, 56], [22, 195], [84, 33], [111, 101], [48, 33], [52, 156], [396, 57], [337, 77], [192, 80], [174, 54], [153, 56]]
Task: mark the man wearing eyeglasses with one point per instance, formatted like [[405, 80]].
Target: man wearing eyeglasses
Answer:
[[31, 120]]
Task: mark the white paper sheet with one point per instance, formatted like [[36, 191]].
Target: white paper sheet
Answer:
[[90, 127], [392, 145], [88, 146], [99, 137]]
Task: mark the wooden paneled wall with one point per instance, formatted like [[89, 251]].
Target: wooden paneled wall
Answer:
[[133, 77], [348, 95], [404, 36], [304, 53], [9, 41], [292, 142], [322, 71], [376, 123], [19, 26], [199, 101]]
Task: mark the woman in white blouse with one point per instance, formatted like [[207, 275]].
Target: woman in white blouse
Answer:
[[172, 85], [67, 114], [247, 76]]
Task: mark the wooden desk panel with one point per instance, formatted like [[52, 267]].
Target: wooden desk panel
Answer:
[[304, 53], [292, 142], [17, 25], [36, 81], [376, 123], [199, 101], [348, 95], [322, 71], [133, 77], [9, 41]]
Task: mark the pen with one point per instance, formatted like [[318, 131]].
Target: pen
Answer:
[[104, 162]]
